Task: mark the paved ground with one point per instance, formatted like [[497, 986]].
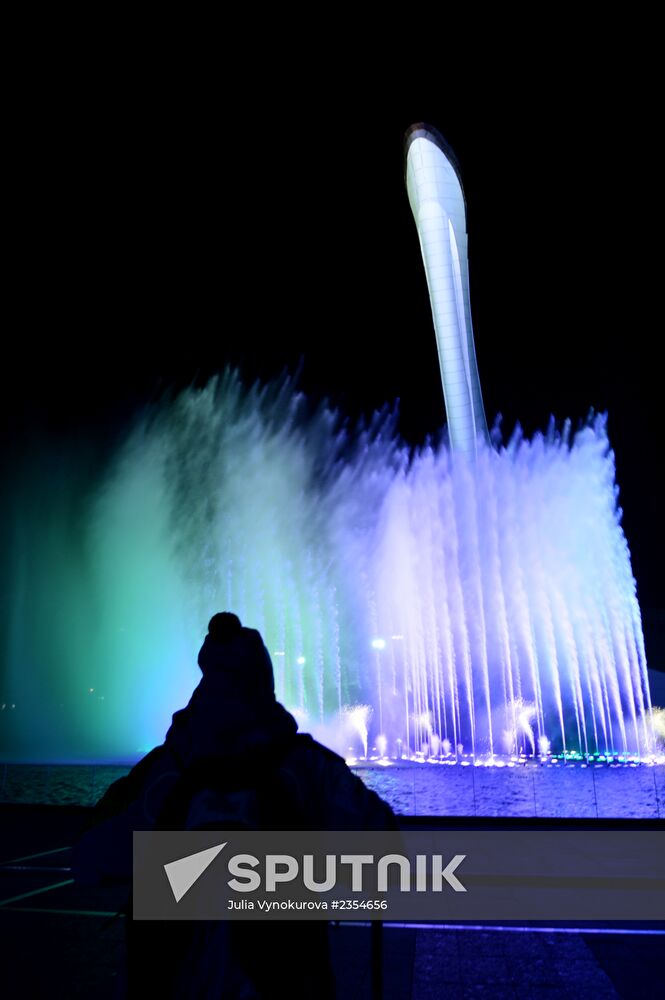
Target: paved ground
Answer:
[[62, 941]]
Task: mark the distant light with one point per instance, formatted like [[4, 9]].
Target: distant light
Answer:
[[279, 652], [396, 637], [301, 660], [378, 643], [91, 690]]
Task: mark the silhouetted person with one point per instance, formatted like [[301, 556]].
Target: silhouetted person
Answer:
[[233, 710], [231, 759]]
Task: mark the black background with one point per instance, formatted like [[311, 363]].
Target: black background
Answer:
[[161, 228]]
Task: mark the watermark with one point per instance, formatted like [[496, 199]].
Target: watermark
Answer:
[[414, 875]]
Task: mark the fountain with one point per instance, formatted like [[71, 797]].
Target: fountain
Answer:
[[473, 600], [463, 598]]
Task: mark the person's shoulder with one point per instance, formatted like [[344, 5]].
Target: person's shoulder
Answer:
[[342, 799], [246, 632], [307, 743], [250, 638], [305, 747]]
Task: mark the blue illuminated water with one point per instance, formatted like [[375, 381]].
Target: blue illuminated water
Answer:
[[487, 606]]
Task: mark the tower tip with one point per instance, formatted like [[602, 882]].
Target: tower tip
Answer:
[[422, 130]]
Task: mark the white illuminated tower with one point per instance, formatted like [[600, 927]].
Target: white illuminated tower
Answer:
[[437, 202]]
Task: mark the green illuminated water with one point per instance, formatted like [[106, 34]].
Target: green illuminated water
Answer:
[[502, 591]]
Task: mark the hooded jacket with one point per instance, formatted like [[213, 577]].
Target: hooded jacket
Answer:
[[233, 711]]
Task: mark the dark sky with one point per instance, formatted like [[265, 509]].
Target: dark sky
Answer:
[[159, 237]]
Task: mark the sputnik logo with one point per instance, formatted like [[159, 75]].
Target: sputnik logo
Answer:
[[183, 873]]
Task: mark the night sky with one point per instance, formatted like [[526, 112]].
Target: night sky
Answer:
[[158, 238]]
